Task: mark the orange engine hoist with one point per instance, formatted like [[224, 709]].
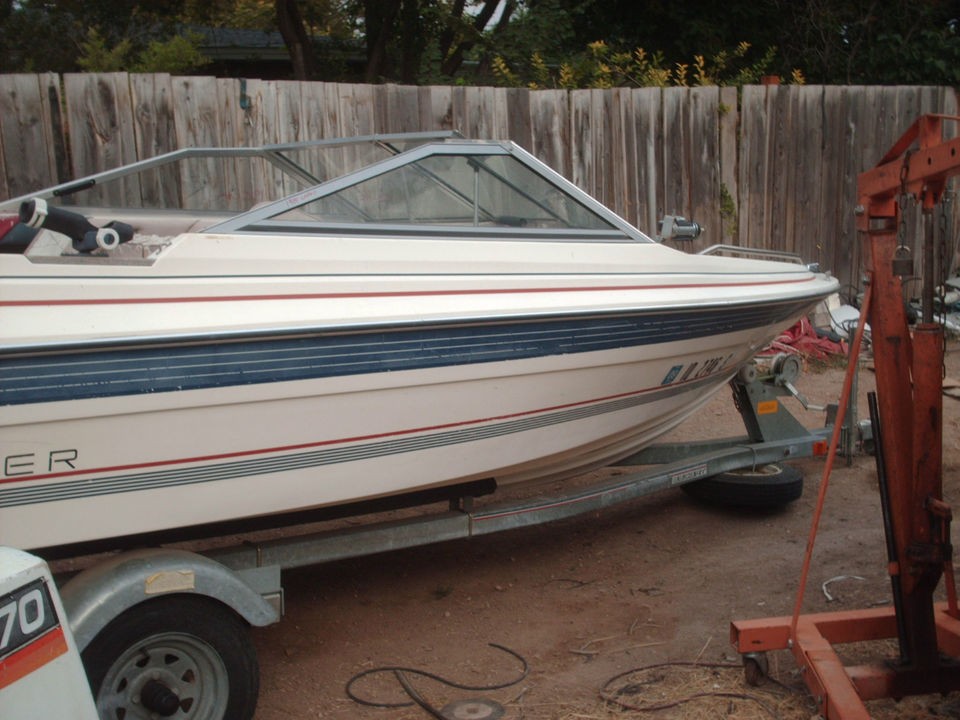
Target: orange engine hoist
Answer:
[[907, 415]]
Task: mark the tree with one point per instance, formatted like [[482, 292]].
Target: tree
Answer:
[[462, 33], [379, 22], [49, 35], [404, 39], [294, 34], [872, 42]]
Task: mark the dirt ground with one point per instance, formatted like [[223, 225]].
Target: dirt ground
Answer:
[[582, 601]]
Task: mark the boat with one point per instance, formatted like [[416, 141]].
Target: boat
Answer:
[[344, 320]]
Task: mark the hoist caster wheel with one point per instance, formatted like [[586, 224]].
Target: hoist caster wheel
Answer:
[[755, 668]]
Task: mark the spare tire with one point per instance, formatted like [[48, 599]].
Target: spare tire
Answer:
[[767, 486]]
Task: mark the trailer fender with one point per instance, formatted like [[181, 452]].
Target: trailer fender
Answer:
[[100, 593]]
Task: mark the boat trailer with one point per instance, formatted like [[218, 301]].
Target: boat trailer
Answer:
[[907, 423]]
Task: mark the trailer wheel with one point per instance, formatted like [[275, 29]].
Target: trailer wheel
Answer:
[[768, 486], [179, 656]]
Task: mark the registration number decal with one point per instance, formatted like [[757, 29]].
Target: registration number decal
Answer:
[[30, 632], [696, 369]]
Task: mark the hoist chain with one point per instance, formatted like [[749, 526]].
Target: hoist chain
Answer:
[[943, 269], [902, 200], [943, 262]]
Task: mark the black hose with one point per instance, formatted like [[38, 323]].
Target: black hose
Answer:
[[400, 673], [614, 697], [885, 510], [84, 235], [36, 213]]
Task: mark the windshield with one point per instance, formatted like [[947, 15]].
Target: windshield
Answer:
[[472, 190]]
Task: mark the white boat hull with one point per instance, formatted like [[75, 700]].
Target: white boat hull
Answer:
[[109, 467]]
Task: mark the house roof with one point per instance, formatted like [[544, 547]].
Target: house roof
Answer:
[[220, 43]]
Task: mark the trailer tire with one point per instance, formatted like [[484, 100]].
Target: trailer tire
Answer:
[[765, 487], [181, 655]]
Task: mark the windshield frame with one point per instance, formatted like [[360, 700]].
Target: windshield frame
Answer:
[[262, 219]]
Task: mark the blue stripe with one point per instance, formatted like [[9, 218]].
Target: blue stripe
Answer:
[[131, 370]]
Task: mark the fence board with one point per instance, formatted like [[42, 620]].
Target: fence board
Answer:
[[290, 125], [807, 139], [582, 134], [356, 118], [100, 132], [626, 157], [436, 108], [197, 119], [835, 230], [479, 112], [398, 109], [702, 163], [238, 184], [729, 120], [260, 128], [289, 112], [946, 101], [783, 162], [312, 101], [753, 175], [550, 116], [331, 127], [602, 106], [357, 110], [28, 133], [519, 128], [649, 150], [675, 138], [155, 134], [9, 167], [500, 114]]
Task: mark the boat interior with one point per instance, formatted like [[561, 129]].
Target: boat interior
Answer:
[[423, 183]]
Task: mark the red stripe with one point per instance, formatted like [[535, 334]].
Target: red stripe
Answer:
[[32, 656], [410, 293], [338, 441]]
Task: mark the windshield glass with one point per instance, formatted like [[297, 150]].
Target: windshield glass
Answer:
[[447, 189]]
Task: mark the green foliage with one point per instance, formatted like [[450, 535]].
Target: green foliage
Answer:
[[728, 212], [541, 73], [543, 27], [504, 75], [178, 54], [602, 66], [95, 56], [532, 46], [735, 68]]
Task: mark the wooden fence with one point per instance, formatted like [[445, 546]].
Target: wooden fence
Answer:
[[772, 167]]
